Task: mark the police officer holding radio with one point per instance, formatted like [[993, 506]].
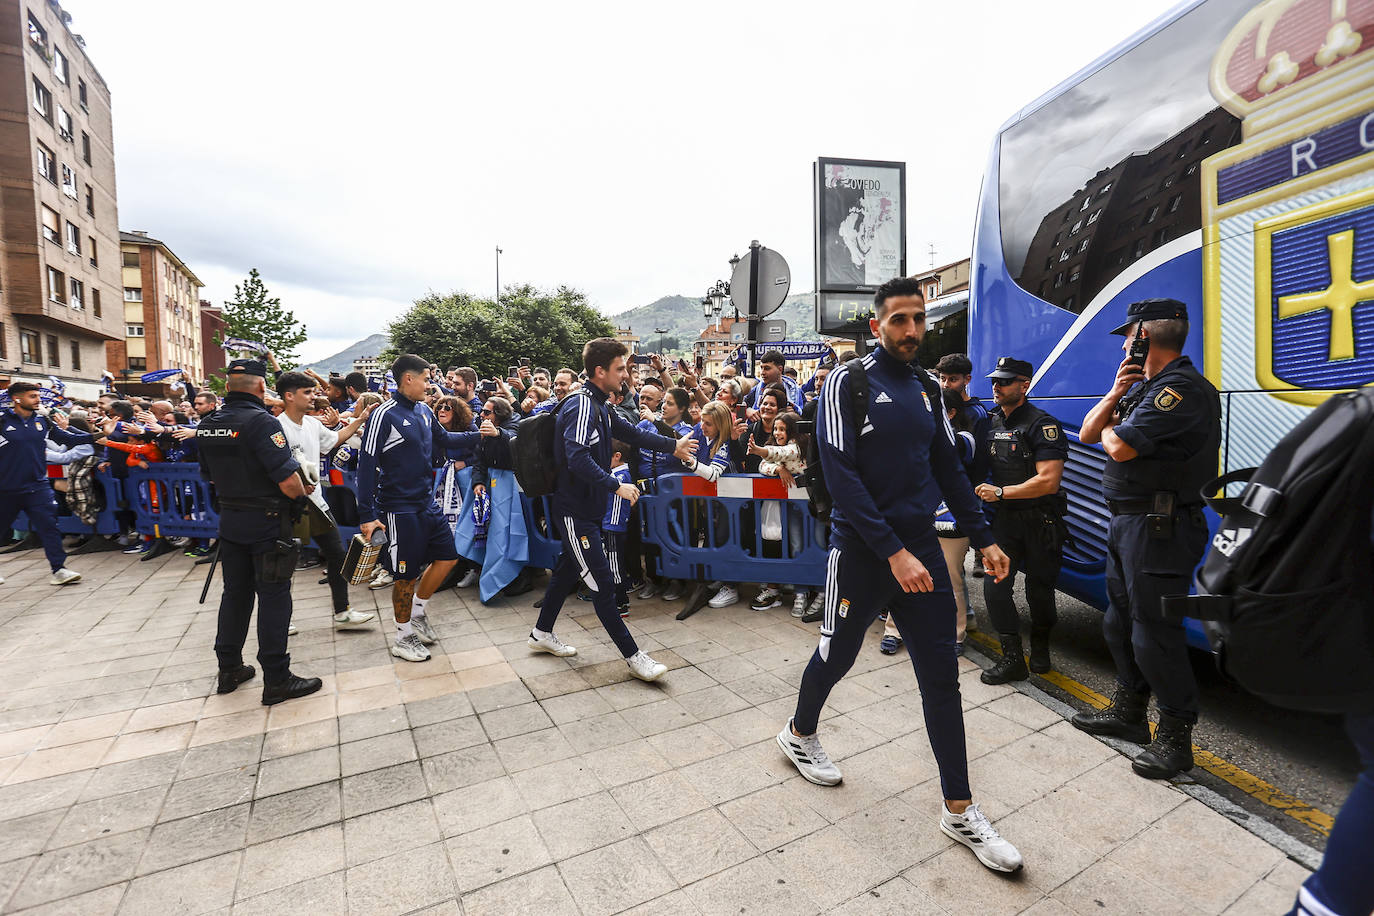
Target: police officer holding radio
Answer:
[[244, 452], [1026, 450], [1160, 426]]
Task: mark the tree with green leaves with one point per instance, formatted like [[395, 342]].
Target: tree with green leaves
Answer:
[[254, 315], [549, 328]]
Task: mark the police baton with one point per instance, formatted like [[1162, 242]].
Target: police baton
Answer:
[[214, 561]]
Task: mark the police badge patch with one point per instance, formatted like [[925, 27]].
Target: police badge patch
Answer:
[[279, 440], [1051, 433], [1167, 399]]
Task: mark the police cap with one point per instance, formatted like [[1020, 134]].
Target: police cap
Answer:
[[247, 367], [1152, 310], [1009, 368]]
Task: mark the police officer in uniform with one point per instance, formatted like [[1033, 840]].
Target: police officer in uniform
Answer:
[[1160, 426], [245, 454], [1026, 451]]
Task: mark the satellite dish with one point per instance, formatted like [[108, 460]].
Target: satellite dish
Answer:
[[775, 279]]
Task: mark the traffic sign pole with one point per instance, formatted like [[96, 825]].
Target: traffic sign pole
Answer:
[[754, 261]]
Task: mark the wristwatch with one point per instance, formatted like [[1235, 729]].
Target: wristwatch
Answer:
[[997, 491]]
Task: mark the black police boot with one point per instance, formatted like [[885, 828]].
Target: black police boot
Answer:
[[1123, 718], [229, 679], [1040, 651], [289, 689], [1012, 667], [1170, 753]]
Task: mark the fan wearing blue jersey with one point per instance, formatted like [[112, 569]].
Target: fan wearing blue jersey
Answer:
[[614, 526]]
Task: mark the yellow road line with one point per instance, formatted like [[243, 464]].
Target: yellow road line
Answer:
[[1247, 782]]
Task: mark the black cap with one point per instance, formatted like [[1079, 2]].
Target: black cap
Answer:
[[1151, 310], [247, 367], [1009, 368]]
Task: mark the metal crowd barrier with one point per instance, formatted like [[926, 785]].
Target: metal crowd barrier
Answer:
[[714, 532]]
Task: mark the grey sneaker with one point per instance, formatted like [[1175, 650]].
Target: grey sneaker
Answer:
[[809, 757], [645, 668], [799, 604], [423, 629], [647, 590], [974, 830], [675, 590], [551, 644], [410, 648], [64, 576]]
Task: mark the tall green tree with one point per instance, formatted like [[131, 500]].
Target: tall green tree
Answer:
[[254, 315], [460, 330]]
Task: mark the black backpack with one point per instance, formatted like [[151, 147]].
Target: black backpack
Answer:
[[1284, 591], [534, 458]]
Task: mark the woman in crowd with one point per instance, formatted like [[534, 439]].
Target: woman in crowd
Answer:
[[782, 458]]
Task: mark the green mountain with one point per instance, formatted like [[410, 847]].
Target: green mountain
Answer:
[[681, 316], [343, 360]]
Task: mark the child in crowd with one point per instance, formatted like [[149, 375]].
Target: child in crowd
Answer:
[[614, 526], [782, 459]]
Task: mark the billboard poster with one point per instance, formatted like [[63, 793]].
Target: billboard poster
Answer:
[[860, 223]]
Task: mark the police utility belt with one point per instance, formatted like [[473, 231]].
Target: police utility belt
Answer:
[[1158, 510]]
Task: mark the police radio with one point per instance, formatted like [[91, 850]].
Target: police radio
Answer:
[[1135, 356]]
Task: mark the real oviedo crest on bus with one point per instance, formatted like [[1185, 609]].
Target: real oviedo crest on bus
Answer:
[[1288, 214]]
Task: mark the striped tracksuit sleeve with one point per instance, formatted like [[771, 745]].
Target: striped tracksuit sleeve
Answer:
[[839, 461]]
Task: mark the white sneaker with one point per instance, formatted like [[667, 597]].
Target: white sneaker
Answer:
[[809, 757], [974, 830], [2, 580], [381, 580], [724, 598], [351, 618], [469, 579], [799, 604], [423, 629], [645, 668], [64, 576], [551, 644], [291, 629], [767, 599], [410, 648]]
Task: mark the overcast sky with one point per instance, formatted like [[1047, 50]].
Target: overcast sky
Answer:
[[362, 154]]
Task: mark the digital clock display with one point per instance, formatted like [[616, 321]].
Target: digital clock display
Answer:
[[844, 313]]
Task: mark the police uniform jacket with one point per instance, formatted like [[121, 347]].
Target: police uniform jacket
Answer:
[[1175, 429], [887, 478], [1015, 443], [245, 453], [23, 465]]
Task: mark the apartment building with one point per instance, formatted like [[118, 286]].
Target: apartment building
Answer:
[[161, 308], [59, 237]]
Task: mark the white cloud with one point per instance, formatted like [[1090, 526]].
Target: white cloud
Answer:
[[360, 154]]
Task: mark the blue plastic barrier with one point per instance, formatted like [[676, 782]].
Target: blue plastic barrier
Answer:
[[545, 546], [105, 521], [712, 532], [172, 500]]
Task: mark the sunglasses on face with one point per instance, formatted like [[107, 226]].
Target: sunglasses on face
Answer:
[[1002, 383], [488, 412]]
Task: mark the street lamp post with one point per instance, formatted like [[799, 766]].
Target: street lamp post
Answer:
[[498, 275], [660, 332]]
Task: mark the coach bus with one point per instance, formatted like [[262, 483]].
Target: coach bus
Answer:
[[1225, 157]]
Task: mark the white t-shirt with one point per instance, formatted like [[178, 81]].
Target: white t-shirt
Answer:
[[308, 440]]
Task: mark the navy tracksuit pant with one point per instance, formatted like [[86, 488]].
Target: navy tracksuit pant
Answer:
[[858, 585], [583, 562], [41, 506]]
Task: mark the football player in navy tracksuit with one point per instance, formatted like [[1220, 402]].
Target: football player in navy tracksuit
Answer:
[[615, 524], [887, 478], [24, 474], [396, 494], [584, 429]]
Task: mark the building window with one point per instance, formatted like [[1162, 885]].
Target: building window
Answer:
[[85, 147], [1104, 189], [29, 344], [1064, 255], [1168, 182], [76, 355], [95, 301], [42, 100], [1083, 245], [81, 92], [47, 163], [64, 124], [1057, 237], [1092, 217], [1086, 202], [132, 294], [1192, 170], [1049, 262], [133, 330], [51, 227], [68, 181], [1075, 274], [1068, 303], [38, 36], [1160, 237], [1076, 226], [130, 258], [1151, 215], [73, 239], [90, 201], [59, 66], [138, 363], [1059, 279], [95, 259], [4, 354], [53, 361], [78, 295], [57, 285], [1138, 250], [1174, 202]]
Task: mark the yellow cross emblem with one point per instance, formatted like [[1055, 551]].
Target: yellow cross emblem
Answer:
[[1340, 297]]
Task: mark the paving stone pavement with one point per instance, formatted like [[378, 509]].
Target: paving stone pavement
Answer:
[[493, 780]]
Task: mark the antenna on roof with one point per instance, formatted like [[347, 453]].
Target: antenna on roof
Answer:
[[932, 254]]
